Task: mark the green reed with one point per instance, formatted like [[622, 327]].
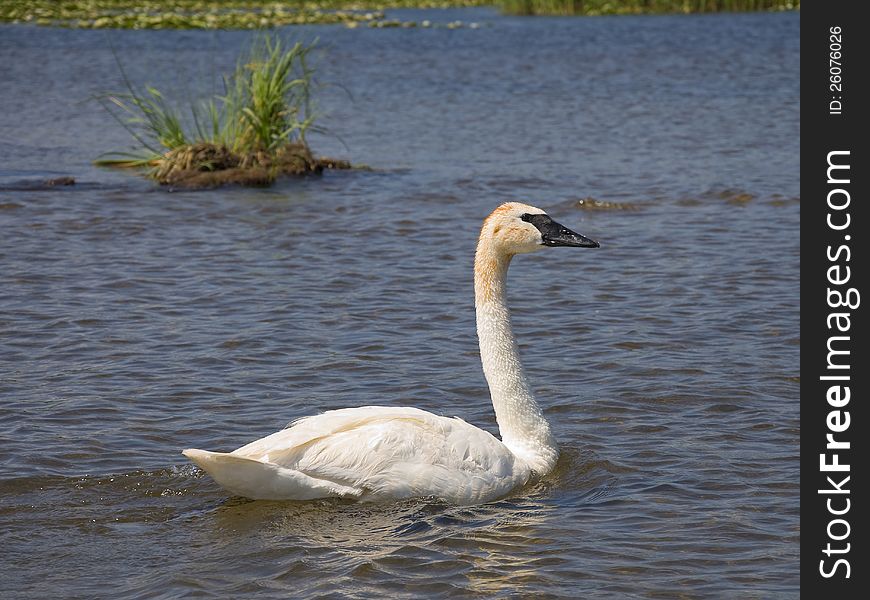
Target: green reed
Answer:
[[266, 105], [615, 7]]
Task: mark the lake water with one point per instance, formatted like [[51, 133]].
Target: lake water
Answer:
[[136, 321]]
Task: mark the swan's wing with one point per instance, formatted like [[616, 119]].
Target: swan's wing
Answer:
[[390, 452], [266, 481], [308, 430]]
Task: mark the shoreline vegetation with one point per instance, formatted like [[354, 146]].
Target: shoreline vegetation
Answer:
[[251, 135], [640, 7], [261, 14]]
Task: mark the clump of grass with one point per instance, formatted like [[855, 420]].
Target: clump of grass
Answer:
[[250, 135], [616, 7]]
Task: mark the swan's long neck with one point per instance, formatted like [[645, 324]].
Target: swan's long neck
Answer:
[[520, 420]]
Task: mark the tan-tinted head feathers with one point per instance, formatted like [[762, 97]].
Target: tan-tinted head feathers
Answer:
[[515, 228], [506, 232]]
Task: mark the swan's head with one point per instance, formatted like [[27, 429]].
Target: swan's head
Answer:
[[515, 228]]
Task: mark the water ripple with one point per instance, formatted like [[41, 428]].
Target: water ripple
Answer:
[[137, 321]]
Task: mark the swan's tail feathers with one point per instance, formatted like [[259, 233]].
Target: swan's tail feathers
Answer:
[[264, 481]]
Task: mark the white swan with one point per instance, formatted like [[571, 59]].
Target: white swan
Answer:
[[380, 452]]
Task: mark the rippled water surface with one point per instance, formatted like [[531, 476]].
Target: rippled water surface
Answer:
[[136, 321]]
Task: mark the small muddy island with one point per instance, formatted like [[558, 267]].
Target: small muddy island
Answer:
[[251, 135], [205, 164]]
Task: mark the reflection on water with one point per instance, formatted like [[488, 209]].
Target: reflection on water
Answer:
[[136, 321], [490, 548]]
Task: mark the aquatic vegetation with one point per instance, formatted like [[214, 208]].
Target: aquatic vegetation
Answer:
[[250, 135], [260, 14], [589, 203], [206, 14], [617, 7]]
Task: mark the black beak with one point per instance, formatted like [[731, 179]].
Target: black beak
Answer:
[[554, 234]]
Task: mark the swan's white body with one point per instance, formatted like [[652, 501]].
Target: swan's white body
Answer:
[[379, 452]]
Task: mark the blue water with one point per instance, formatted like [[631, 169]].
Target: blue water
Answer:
[[137, 320]]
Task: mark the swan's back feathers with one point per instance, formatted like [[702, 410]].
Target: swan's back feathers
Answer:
[[382, 452], [308, 430]]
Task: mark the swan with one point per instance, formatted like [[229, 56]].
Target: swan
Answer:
[[386, 453]]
